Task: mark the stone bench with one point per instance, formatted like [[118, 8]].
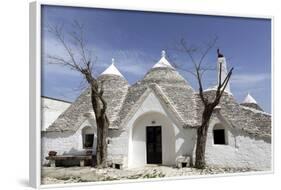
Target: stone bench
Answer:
[[82, 159], [116, 163]]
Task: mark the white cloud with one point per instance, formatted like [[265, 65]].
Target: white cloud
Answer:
[[127, 61], [249, 79], [132, 62]]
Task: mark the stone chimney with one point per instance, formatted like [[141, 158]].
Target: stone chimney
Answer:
[[222, 61]]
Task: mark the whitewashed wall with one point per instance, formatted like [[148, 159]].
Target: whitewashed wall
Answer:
[[63, 143], [242, 150], [51, 109], [176, 141]]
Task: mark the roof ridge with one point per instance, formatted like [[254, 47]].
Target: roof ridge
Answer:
[[164, 96], [255, 110]]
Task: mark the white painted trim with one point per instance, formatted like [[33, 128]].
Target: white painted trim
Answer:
[[255, 110], [112, 70], [117, 6], [249, 99], [272, 95], [35, 95], [170, 103]]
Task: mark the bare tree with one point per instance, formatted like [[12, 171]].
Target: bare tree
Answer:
[[78, 58], [209, 105]]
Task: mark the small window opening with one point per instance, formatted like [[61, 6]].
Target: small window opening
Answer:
[[117, 166], [183, 164], [89, 140], [219, 136]]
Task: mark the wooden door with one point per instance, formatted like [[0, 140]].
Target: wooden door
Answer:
[[154, 145]]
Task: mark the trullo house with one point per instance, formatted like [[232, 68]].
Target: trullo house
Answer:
[[154, 121]]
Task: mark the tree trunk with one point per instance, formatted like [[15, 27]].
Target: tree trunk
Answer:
[[200, 146], [102, 130], [101, 151], [202, 138]]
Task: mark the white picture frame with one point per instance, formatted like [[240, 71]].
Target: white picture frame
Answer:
[[35, 85]]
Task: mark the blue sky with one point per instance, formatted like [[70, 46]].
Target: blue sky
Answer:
[[135, 40]]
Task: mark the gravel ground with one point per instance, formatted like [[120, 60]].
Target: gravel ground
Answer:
[[87, 174]]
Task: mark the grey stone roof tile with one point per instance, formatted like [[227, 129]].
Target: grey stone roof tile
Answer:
[[252, 121], [115, 89]]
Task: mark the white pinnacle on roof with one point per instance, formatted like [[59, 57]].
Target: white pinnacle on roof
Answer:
[[249, 99], [163, 62], [112, 70]]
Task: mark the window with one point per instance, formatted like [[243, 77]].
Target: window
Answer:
[[183, 164], [219, 136], [88, 137], [89, 141], [117, 166]]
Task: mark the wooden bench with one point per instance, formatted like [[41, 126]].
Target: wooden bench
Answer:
[[82, 159]]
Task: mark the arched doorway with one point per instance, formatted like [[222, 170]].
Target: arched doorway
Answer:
[[151, 140]]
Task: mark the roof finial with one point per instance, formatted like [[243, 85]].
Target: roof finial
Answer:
[[112, 61], [163, 53]]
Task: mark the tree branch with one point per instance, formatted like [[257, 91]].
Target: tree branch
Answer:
[[225, 82], [209, 47]]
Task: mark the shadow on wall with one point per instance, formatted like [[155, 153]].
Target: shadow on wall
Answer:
[[187, 148]]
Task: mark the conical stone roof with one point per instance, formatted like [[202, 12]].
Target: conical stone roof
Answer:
[[167, 83], [162, 72], [115, 88], [250, 102], [252, 121]]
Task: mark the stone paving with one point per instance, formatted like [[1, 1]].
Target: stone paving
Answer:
[[64, 175]]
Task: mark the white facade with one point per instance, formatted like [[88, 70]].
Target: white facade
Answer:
[[51, 109], [67, 143], [176, 141], [240, 150]]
